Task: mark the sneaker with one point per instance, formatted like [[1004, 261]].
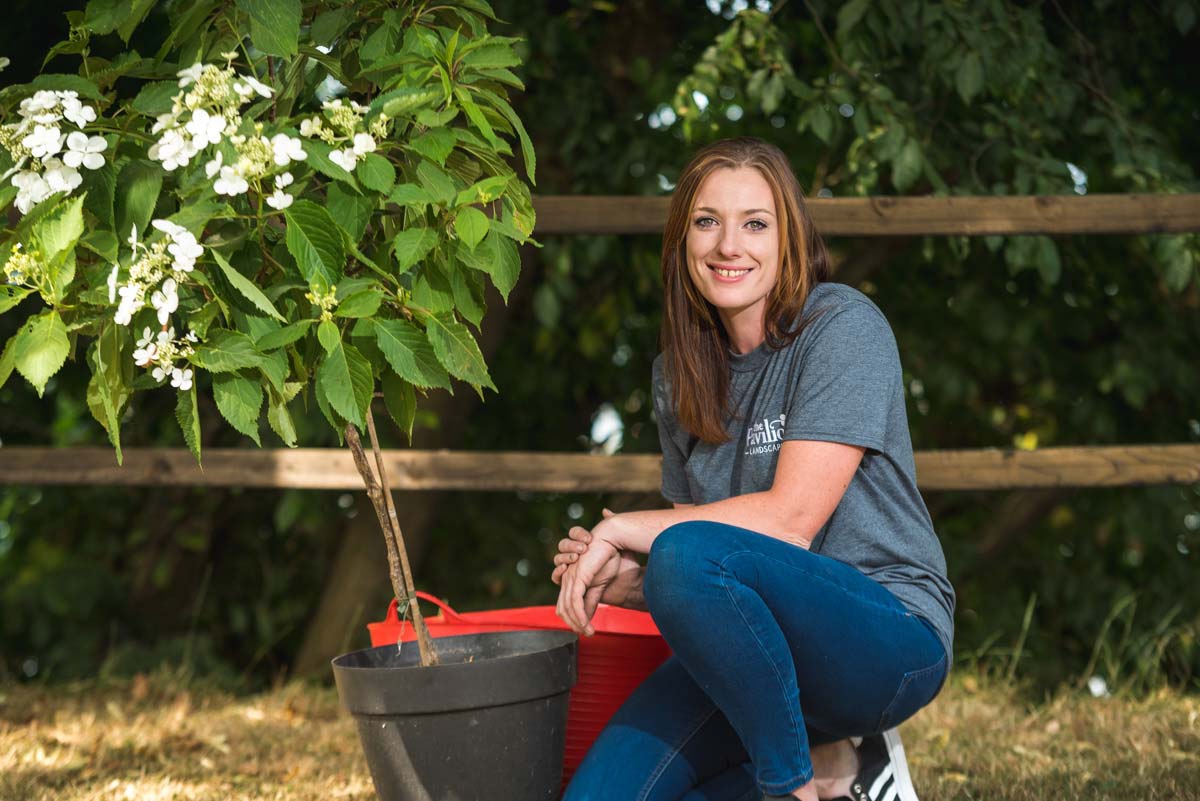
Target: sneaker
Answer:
[[883, 772]]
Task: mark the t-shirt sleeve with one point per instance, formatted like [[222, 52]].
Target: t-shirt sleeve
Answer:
[[849, 379], [674, 475]]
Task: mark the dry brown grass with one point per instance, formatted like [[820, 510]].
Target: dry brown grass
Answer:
[[151, 739]]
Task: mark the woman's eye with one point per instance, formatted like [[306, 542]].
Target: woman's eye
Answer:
[[704, 222], [756, 225]]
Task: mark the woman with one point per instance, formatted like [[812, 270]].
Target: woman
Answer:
[[798, 579]]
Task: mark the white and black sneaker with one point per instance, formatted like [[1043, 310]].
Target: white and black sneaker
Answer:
[[883, 770]]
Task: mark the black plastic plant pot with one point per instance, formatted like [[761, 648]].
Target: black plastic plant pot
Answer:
[[486, 724]]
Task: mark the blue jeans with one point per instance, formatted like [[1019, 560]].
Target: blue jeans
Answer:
[[775, 649]]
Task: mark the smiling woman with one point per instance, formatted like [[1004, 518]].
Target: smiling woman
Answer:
[[798, 578]]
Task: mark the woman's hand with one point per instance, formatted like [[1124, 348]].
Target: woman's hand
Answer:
[[585, 583], [570, 548]]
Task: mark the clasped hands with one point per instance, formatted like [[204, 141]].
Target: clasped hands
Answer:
[[591, 568]]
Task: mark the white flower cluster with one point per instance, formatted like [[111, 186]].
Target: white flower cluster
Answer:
[[47, 157], [159, 352], [23, 267], [343, 128], [207, 115], [155, 272]]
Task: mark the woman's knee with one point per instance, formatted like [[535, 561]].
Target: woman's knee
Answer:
[[677, 564]]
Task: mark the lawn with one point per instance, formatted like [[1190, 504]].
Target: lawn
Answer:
[[158, 738]]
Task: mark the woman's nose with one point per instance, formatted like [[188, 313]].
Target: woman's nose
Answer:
[[729, 245]]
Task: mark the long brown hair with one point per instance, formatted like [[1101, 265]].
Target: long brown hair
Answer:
[[694, 341]]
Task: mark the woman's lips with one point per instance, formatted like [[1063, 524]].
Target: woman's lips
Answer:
[[727, 274]]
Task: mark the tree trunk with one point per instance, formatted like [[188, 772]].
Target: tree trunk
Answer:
[[358, 588]]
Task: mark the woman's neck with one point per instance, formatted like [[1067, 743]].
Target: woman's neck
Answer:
[[746, 329]]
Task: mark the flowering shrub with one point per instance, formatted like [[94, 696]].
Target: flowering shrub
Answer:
[[291, 200]]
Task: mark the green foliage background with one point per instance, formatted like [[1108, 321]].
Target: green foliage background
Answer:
[[1004, 341]]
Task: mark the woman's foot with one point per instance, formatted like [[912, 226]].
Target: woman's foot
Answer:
[[835, 766]]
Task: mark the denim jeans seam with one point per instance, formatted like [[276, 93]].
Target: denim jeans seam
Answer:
[[902, 611], [908, 679], [671, 754], [725, 572]]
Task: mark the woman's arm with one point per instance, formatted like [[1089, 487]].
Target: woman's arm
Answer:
[[810, 478]]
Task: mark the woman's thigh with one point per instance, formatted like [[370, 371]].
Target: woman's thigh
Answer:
[[666, 740], [862, 661]]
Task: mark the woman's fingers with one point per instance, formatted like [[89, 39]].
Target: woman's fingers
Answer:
[[579, 534], [566, 545], [565, 558]]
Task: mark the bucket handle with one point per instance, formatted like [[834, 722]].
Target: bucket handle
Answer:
[[450, 614]]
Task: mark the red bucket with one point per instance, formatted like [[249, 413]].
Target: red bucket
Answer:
[[625, 649]]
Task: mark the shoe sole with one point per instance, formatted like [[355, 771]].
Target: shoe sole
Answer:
[[903, 781]]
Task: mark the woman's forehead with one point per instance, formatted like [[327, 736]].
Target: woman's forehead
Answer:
[[735, 190]]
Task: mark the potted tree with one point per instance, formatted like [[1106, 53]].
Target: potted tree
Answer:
[[294, 201]]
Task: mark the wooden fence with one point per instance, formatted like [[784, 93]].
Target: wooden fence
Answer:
[[1085, 466]]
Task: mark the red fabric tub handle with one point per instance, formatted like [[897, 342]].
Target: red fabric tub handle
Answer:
[[450, 614], [393, 612]]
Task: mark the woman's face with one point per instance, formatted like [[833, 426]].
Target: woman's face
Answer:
[[733, 247]]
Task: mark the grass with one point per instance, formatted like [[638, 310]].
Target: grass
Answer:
[[157, 737]]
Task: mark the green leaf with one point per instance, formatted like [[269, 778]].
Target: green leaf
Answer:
[[907, 166], [849, 15], [139, 10], [457, 350], [11, 295], [507, 111], [413, 244], [67, 83], [329, 336], [109, 390], [440, 186], [283, 336], [8, 359], [239, 399], [315, 243], [246, 287], [280, 420], [431, 290], [405, 100], [409, 353], [360, 304], [274, 368], [349, 209], [484, 191], [821, 121], [188, 416], [476, 115], [505, 265], [410, 195], [401, 402], [226, 351], [318, 156], [155, 98], [59, 231], [471, 225], [467, 287], [970, 77], [345, 378], [376, 172], [105, 16], [491, 56], [274, 25], [41, 348], [1045, 256], [138, 187], [435, 144]]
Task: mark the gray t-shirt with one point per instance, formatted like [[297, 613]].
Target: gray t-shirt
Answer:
[[839, 381]]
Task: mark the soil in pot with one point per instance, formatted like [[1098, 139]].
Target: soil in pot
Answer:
[[487, 724]]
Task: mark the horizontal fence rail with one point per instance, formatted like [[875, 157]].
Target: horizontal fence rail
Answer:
[[904, 216], [333, 468]]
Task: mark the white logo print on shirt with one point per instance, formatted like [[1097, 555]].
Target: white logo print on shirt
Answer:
[[765, 436]]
